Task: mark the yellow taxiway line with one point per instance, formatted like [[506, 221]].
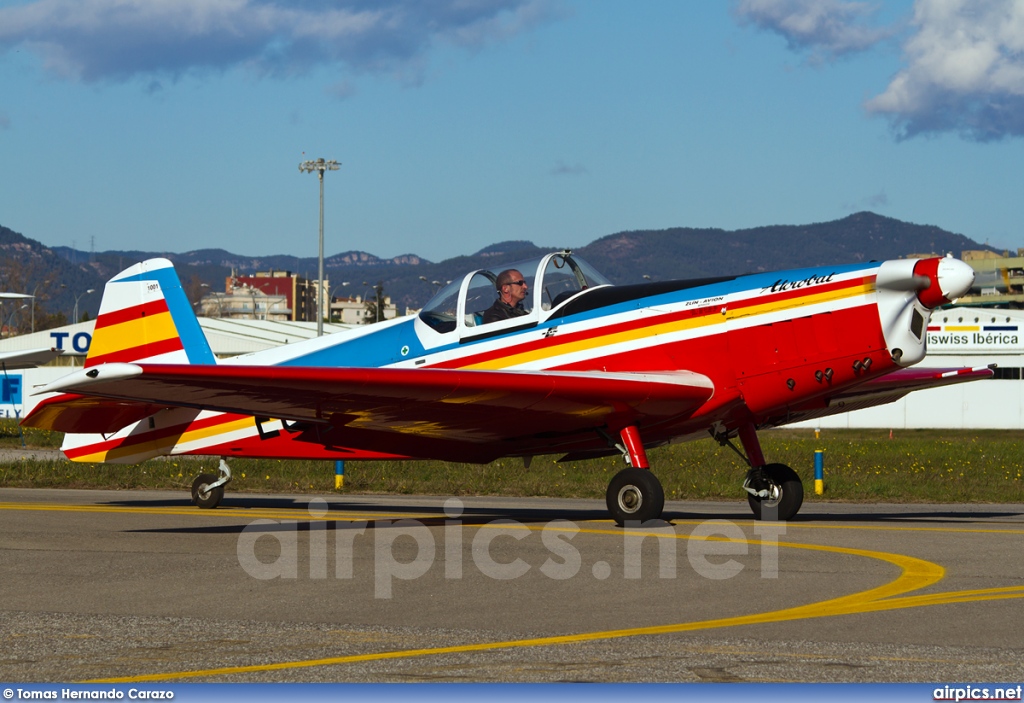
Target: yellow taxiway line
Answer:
[[272, 513], [915, 574]]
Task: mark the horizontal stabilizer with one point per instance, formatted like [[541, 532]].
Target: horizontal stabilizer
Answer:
[[75, 413], [28, 358]]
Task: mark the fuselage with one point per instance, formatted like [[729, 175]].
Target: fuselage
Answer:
[[773, 344]]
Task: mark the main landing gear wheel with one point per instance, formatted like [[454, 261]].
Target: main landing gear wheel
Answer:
[[208, 489], [204, 496], [785, 494], [635, 494]]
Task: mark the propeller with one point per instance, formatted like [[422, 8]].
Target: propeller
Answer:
[[937, 281]]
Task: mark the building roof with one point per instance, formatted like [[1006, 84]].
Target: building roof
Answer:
[[226, 337]]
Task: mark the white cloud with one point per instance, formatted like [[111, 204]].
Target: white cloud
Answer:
[[96, 40], [963, 59], [827, 29], [964, 71]]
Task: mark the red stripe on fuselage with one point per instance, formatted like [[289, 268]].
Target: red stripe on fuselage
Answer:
[[284, 445], [687, 314]]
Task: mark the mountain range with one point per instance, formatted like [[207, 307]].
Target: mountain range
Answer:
[[59, 275]]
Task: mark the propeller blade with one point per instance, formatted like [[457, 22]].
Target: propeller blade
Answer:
[[904, 283]]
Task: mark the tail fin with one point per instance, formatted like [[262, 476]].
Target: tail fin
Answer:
[[145, 316]]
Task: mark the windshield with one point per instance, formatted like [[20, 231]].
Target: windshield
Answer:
[[440, 311], [564, 277], [549, 281]]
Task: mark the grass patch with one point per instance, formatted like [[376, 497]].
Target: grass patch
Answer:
[[860, 465], [14, 437]]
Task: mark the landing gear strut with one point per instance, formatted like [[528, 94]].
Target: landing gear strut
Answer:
[[774, 491], [635, 493], [208, 490]]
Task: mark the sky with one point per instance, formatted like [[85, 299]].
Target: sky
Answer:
[[175, 125]]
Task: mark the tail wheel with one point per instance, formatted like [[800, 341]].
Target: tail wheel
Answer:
[[635, 494], [786, 494], [204, 496]]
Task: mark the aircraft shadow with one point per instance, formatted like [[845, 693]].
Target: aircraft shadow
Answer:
[[937, 515], [340, 507], [434, 515]]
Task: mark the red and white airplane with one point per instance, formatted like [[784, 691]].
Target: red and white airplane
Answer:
[[587, 370]]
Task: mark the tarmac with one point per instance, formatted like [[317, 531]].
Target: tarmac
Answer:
[[139, 586]]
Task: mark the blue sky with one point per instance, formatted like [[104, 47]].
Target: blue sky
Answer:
[[173, 125]]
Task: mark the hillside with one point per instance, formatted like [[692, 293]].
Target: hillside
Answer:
[[691, 253], [60, 273], [27, 266]]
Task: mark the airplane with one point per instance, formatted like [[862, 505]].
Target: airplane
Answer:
[[589, 370]]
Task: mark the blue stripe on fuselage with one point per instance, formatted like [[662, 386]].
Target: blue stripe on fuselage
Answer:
[[375, 348]]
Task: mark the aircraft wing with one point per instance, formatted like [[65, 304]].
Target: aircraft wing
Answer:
[[475, 407], [892, 387], [28, 358]]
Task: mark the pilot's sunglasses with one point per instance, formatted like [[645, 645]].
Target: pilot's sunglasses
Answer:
[[520, 282]]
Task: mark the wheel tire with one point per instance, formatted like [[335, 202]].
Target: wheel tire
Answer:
[[205, 497], [787, 495], [635, 494]]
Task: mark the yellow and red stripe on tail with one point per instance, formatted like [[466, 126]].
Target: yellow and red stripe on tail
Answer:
[[146, 316]]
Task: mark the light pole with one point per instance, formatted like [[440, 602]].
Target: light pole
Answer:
[[377, 290], [10, 317], [330, 299], [34, 291], [262, 289], [433, 283], [320, 166], [219, 298], [77, 298]]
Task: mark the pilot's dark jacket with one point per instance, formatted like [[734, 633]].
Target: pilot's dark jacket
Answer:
[[502, 311]]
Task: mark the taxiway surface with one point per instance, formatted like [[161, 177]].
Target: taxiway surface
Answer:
[[140, 585]]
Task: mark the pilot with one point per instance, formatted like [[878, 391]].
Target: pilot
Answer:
[[512, 290]]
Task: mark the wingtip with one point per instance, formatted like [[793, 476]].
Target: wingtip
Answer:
[[83, 378]]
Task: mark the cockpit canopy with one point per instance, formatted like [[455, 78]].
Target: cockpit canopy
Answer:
[[551, 281]]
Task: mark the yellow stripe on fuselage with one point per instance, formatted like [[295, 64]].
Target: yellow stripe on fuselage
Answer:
[[814, 299], [667, 327], [163, 445], [132, 333]]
